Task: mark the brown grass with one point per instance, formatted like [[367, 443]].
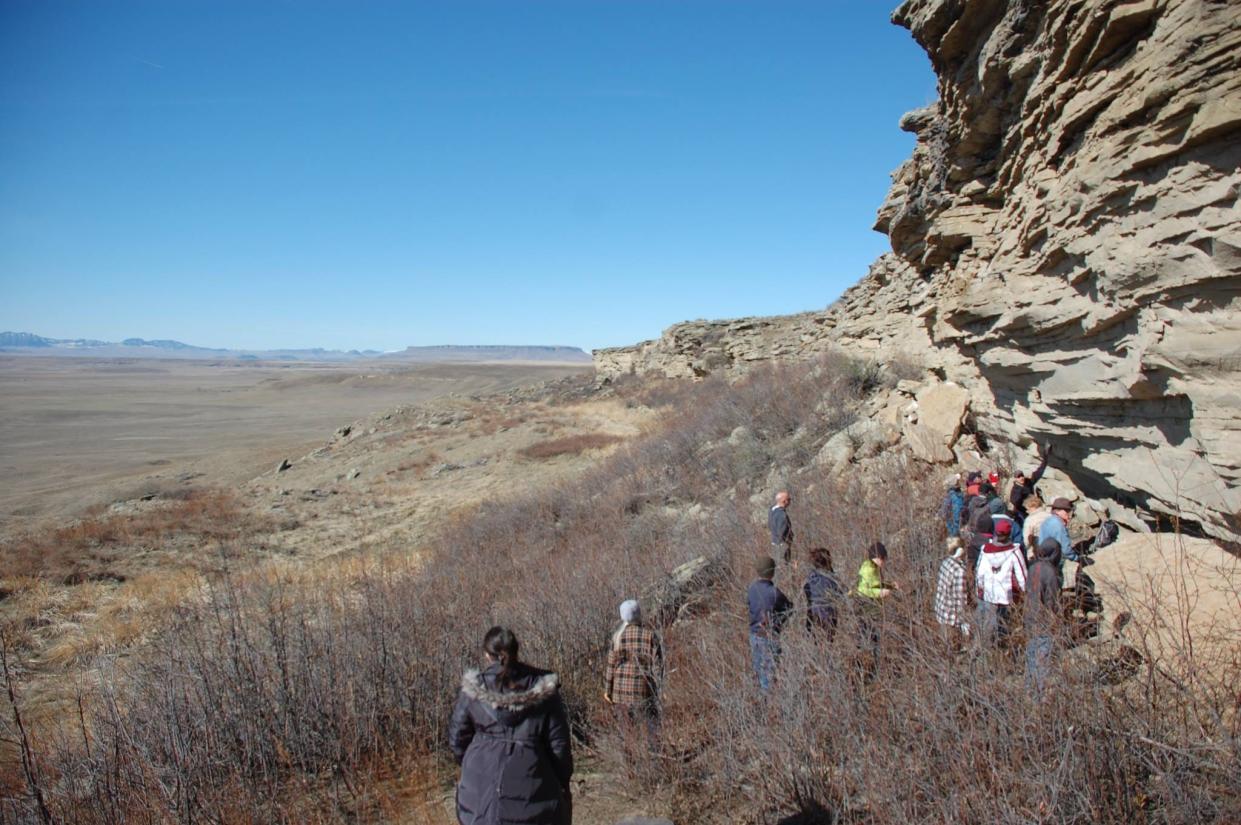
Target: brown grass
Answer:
[[568, 445], [418, 465], [88, 550]]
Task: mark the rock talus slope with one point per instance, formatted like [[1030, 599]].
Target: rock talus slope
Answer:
[[1066, 246]]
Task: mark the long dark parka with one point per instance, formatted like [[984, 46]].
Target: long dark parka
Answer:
[[510, 734]]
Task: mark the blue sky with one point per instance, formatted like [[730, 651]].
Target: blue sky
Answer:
[[376, 175]]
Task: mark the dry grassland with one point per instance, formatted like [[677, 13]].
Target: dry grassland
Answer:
[[306, 674]]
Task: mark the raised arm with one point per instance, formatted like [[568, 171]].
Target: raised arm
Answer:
[[1042, 468]]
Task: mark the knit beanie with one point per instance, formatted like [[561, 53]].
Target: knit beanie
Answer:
[[630, 611]]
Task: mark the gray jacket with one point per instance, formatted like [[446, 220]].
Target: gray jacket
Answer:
[[780, 526], [513, 747]]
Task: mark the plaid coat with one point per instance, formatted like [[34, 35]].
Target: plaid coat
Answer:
[[950, 593], [633, 666]]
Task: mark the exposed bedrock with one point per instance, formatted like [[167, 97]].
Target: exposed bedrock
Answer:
[[1066, 246]]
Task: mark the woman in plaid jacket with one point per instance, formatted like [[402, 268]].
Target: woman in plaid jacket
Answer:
[[634, 664]]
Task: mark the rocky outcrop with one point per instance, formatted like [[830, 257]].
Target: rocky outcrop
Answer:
[[1066, 246], [697, 348]]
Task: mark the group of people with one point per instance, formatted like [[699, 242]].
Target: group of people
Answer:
[[770, 609], [1002, 552], [509, 728], [1002, 549]]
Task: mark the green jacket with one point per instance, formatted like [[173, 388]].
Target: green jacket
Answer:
[[869, 580]]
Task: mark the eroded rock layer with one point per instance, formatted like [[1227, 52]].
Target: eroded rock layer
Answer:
[[1066, 246]]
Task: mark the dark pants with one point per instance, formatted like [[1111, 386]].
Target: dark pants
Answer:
[[869, 641]]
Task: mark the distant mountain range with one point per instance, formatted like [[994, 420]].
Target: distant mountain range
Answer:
[[26, 343]]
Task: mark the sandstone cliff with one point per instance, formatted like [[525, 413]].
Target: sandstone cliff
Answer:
[[1066, 246]]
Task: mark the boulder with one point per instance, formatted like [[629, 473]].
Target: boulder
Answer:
[[741, 437], [679, 592], [942, 409], [927, 444], [837, 452]]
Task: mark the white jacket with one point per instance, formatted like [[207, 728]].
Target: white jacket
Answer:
[[1001, 569]]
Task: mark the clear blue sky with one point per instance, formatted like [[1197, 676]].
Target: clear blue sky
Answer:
[[380, 174]]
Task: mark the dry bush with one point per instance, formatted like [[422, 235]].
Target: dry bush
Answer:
[[569, 445], [285, 698], [87, 550]]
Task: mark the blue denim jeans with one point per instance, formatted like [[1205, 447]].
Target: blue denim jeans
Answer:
[[1038, 664], [763, 653]]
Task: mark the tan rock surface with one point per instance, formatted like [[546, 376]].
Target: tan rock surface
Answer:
[[1066, 246], [1183, 593]]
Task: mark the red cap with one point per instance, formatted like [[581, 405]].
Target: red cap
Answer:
[[994, 478]]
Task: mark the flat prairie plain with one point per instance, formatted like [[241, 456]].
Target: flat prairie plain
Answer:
[[81, 432]]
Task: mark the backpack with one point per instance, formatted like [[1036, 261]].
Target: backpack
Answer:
[[1108, 532]]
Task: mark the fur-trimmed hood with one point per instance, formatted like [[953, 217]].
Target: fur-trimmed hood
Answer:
[[544, 687]]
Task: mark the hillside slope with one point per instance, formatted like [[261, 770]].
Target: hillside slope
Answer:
[[1066, 245]]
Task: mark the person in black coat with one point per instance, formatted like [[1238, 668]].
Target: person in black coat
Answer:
[[1023, 488], [510, 734], [824, 595]]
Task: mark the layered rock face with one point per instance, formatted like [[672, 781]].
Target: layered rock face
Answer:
[[1066, 246]]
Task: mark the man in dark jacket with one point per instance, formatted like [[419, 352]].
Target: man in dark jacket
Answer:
[[1023, 488], [780, 527], [769, 610], [1042, 614], [510, 734]]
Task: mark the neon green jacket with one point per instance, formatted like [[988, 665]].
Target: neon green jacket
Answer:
[[869, 580]]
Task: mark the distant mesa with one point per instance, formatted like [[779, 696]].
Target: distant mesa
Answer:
[[27, 343], [164, 344], [490, 353]]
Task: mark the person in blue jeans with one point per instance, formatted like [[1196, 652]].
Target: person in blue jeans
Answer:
[[769, 611]]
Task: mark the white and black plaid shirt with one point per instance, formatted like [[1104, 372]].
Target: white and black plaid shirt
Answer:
[[950, 593]]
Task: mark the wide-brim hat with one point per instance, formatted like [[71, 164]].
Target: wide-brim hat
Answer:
[[1062, 503]]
